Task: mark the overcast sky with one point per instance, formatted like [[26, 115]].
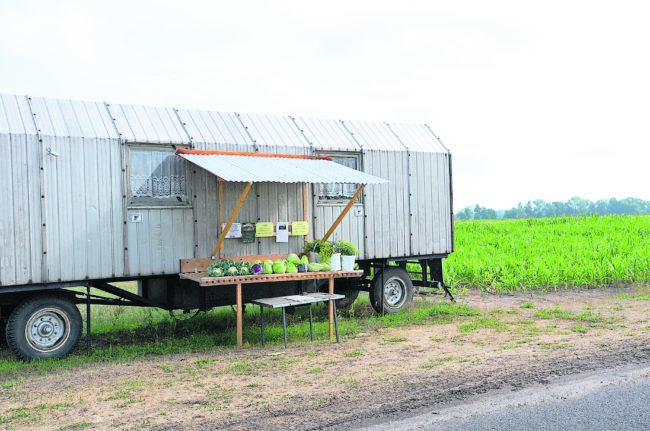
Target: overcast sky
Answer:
[[544, 99]]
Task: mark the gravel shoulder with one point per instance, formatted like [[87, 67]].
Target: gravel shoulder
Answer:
[[519, 342]]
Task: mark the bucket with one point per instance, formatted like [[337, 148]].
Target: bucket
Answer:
[[347, 263], [335, 262]]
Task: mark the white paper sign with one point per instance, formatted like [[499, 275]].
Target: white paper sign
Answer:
[[234, 232], [282, 231]]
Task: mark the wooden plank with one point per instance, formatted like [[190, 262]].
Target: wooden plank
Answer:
[[225, 231], [204, 280], [343, 213], [201, 264]]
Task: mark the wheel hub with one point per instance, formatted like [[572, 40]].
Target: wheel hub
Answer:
[[393, 292], [46, 329]]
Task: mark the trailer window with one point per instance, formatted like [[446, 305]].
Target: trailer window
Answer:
[[157, 177], [339, 193]]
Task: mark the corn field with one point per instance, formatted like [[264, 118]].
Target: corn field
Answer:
[[550, 253]]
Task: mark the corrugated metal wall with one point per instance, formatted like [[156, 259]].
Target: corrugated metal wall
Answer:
[[165, 234], [82, 190], [330, 136], [387, 222], [429, 189], [21, 248], [265, 202], [81, 227]]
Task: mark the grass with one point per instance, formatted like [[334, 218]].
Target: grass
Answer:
[[551, 253], [126, 334], [505, 255]]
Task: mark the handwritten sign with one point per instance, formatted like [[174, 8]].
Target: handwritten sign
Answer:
[[263, 229], [299, 228]]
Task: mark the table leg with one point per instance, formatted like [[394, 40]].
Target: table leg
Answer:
[[311, 324], [284, 326], [262, 320], [240, 313], [331, 311], [336, 323]]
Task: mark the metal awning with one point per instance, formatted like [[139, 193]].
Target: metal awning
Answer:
[[279, 168]]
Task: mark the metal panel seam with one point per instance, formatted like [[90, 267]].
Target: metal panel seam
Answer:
[[248, 133], [183, 126], [408, 186], [436, 136], [41, 162]]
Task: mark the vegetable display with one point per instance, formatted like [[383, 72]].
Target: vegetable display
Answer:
[[291, 265]]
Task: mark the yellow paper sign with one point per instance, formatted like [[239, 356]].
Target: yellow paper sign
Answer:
[[299, 228], [264, 229]]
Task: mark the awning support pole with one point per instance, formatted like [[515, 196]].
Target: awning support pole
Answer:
[[226, 229], [345, 211], [220, 185]]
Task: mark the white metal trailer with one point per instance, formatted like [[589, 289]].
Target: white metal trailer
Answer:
[[94, 193]]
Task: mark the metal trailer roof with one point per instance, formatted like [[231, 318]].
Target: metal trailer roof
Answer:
[[374, 136], [327, 135], [275, 134], [15, 116], [148, 125], [72, 118], [417, 137], [211, 130], [218, 130], [279, 169]]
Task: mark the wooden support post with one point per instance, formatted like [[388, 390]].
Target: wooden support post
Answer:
[[220, 185], [305, 206], [226, 229], [331, 311], [345, 211], [240, 320]]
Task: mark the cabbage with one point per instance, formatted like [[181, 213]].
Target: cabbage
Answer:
[[291, 268], [325, 267], [293, 258], [304, 260], [257, 269], [232, 271], [315, 267], [214, 271], [243, 271], [267, 267], [279, 267]]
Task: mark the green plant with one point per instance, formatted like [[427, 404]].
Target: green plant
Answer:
[[324, 249], [346, 248]]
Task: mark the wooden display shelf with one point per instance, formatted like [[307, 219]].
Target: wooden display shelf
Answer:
[[203, 280]]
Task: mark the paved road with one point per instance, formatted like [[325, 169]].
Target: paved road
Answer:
[[608, 400]]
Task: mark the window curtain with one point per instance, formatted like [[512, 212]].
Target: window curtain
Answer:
[[156, 174], [340, 191]]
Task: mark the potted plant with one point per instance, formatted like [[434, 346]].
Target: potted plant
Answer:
[[319, 250], [348, 253]]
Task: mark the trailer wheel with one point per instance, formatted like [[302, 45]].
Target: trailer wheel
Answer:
[[396, 291], [44, 327], [3, 333], [345, 303]]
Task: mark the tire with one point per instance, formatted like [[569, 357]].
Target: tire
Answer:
[[345, 303], [3, 333], [44, 327], [395, 293]]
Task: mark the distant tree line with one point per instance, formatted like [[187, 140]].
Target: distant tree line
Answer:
[[574, 206]]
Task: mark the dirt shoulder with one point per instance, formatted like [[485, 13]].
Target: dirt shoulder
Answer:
[[517, 341]]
